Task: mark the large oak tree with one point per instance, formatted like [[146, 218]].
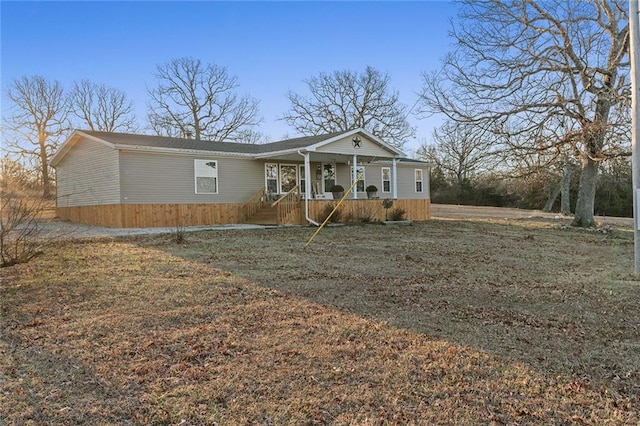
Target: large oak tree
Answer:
[[193, 98], [36, 121], [103, 108], [345, 100], [546, 76]]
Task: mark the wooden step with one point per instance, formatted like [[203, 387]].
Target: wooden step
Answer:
[[266, 216]]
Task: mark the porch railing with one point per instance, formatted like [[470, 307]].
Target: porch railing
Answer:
[[288, 206], [253, 204]]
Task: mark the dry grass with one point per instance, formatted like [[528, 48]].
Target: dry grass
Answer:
[[438, 323]]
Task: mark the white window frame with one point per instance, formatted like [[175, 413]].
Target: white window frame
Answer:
[[363, 180], [421, 180], [335, 176], [280, 174], [277, 178], [301, 178], [202, 169], [382, 170]]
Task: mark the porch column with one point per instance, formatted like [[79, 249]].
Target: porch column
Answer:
[[394, 179], [307, 177], [354, 174]]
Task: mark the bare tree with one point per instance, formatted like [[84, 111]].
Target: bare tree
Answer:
[[36, 122], [252, 137], [199, 99], [344, 100], [102, 108], [543, 74], [459, 150]]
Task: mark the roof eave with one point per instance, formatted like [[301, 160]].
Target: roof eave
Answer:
[[160, 150]]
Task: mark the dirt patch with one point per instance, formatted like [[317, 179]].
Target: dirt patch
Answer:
[[447, 322]]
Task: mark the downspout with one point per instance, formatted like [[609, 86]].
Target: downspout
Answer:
[[307, 187]]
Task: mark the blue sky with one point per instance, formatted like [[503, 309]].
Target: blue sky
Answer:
[[271, 46]]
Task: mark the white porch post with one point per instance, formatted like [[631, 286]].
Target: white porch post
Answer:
[[394, 179], [354, 176], [307, 178]]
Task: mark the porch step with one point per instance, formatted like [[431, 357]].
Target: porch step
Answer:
[[266, 216]]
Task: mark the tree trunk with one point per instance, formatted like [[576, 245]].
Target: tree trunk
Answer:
[[586, 194], [552, 198], [565, 189], [44, 165]]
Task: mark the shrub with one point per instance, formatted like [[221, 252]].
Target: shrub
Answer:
[[387, 203], [372, 188], [397, 214], [326, 211], [20, 230], [365, 215], [337, 188]]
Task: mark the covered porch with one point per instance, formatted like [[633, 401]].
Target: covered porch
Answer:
[[300, 182], [294, 208]]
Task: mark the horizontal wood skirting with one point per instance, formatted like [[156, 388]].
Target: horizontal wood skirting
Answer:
[[170, 215]]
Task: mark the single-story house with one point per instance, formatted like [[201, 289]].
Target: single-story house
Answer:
[[129, 180]]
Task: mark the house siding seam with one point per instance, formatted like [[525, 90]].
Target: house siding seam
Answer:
[[88, 175]]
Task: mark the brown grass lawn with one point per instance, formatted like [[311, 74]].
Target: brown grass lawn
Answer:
[[447, 322]]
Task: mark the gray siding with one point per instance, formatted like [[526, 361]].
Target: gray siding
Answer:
[[88, 175], [407, 183], [373, 176], [149, 178]]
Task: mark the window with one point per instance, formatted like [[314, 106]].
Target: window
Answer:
[[303, 182], [271, 178], [206, 176], [328, 176], [386, 179], [418, 180], [288, 177], [360, 174]]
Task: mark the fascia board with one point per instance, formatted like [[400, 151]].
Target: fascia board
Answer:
[[158, 150]]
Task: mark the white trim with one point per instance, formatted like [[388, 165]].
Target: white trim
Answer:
[[394, 179], [70, 143], [295, 167], [416, 180], [302, 176], [277, 178], [354, 175], [382, 179], [335, 177], [369, 135], [123, 147], [207, 162], [313, 148]]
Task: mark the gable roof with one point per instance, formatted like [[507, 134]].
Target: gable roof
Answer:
[[155, 143]]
